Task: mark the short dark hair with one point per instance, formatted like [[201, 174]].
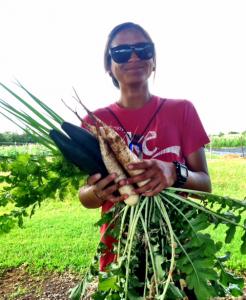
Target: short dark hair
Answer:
[[112, 34]]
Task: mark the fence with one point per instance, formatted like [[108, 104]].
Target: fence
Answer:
[[15, 143], [240, 151]]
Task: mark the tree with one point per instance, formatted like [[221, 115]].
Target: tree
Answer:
[[13, 137]]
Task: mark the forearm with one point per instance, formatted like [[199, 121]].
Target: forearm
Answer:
[[199, 181], [88, 197], [198, 175]]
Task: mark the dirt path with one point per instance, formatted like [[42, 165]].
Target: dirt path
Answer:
[[19, 284]]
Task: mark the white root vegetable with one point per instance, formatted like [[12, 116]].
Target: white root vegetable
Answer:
[[113, 166], [122, 153]]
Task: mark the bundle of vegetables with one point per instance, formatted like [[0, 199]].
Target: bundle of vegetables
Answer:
[[162, 248]]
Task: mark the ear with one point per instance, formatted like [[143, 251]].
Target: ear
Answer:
[[153, 69]]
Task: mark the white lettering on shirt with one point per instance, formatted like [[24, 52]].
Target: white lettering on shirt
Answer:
[[152, 153], [150, 136], [173, 149]]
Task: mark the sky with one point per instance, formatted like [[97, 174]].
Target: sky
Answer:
[[51, 46]]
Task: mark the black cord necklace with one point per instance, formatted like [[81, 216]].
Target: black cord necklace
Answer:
[[135, 139]]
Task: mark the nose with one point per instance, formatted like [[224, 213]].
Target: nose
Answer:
[[133, 57]]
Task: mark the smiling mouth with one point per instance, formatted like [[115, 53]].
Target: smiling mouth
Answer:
[[134, 68]]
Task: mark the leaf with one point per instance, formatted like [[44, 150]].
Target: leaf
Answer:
[[132, 295], [218, 246], [159, 260], [243, 246], [77, 291], [174, 292], [201, 288], [199, 275], [108, 283], [201, 265], [235, 290], [134, 282], [230, 232], [200, 222], [227, 279], [7, 222], [98, 295], [105, 219], [114, 297]]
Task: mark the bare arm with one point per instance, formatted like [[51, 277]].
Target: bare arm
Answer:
[[198, 178]]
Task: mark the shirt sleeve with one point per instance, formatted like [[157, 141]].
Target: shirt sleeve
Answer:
[[193, 133]]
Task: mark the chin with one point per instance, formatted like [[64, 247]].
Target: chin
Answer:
[[136, 81]]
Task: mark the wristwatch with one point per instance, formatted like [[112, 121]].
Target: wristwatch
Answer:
[[182, 174]]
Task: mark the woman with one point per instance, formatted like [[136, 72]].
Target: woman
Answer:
[[166, 133]]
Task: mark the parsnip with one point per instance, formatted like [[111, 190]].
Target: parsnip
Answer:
[[113, 166], [122, 153]]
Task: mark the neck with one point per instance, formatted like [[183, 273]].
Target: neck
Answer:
[[134, 97]]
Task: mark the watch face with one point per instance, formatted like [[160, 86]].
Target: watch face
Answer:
[[183, 172]]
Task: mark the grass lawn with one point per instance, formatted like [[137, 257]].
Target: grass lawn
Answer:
[[229, 179], [62, 235], [228, 176]]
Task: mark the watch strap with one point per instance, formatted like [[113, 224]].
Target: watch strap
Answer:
[[182, 174]]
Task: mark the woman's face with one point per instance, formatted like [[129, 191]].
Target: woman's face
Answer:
[[135, 71]]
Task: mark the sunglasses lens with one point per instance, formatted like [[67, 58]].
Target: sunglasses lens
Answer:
[[121, 54], [144, 51]]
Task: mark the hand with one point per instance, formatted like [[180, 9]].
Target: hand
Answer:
[[159, 175], [104, 188]]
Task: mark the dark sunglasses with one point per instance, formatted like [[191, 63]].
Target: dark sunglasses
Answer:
[[122, 53]]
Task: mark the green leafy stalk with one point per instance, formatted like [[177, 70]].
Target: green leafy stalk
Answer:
[[39, 129], [165, 199], [151, 254], [172, 242], [46, 108], [122, 229], [30, 107], [200, 207], [132, 229], [146, 248]]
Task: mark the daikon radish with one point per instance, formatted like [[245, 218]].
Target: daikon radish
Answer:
[[122, 153], [113, 166]]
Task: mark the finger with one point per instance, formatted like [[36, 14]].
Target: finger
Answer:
[[93, 179], [118, 199], [141, 165], [155, 191], [123, 182], [142, 177], [148, 187], [105, 181], [110, 190]]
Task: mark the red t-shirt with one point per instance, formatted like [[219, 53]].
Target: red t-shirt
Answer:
[[164, 129]]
